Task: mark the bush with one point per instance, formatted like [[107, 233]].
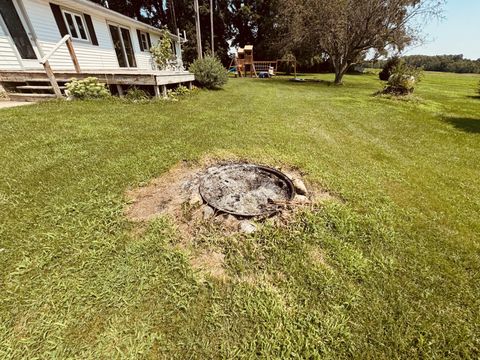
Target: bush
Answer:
[[182, 90], [162, 52], [88, 88], [209, 72], [135, 94], [387, 70], [403, 79]]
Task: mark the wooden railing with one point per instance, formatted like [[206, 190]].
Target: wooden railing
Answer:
[[48, 69]]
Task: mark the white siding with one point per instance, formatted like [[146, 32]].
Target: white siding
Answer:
[[90, 57], [8, 56]]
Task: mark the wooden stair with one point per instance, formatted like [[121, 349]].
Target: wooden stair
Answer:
[[34, 89], [30, 96]]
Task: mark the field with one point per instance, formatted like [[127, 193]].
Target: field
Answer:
[[390, 271]]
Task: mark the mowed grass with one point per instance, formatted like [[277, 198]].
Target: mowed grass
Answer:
[[390, 271]]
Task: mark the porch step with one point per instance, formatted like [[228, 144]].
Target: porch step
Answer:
[[38, 87], [30, 97]]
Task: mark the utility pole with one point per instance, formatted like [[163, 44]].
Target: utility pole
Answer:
[[211, 25], [197, 26]]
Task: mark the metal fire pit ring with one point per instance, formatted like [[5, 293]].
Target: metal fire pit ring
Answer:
[[246, 190]]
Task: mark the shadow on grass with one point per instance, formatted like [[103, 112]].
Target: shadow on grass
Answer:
[[476, 97], [465, 124]]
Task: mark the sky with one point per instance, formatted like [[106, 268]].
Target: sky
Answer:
[[457, 33]]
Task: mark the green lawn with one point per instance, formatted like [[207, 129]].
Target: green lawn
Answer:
[[400, 275]]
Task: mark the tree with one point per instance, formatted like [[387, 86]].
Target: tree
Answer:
[[345, 30], [255, 22], [180, 14]]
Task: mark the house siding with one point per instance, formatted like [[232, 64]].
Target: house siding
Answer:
[[8, 56], [90, 57]]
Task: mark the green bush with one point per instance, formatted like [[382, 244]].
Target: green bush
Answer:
[[209, 72], [403, 79], [182, 90], [136, 94], [162, 52], [387, 70], [88, 88]]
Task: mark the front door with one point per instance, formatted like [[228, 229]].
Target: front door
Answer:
[[122, 42], [16, 28]]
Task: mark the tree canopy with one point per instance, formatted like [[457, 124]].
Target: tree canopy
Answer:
[[345, 30], [315, 31], [236, 22]]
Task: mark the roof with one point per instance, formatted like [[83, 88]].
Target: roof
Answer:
[[111, 14]]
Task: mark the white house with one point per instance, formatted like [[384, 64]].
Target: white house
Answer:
[[105, 43]]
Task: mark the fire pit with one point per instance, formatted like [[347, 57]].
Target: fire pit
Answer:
[[246, 190]]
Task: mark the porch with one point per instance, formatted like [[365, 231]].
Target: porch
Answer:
[[32, 85]]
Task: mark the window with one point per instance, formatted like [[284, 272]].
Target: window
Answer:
[[15, 27], [144, 41], [122, 43], [76, 25]]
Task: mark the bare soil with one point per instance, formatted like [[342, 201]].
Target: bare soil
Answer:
[[176, 195]]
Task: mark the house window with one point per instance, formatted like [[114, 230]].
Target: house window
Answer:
[[144, 41], [122, 43], [76, 25]]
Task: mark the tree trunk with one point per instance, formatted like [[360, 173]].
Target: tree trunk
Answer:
[[340, 70], [338, 78]]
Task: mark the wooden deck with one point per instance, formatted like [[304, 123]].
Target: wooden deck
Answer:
[[18, 82]]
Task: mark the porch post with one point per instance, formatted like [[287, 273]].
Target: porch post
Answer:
[[156, 88], [71, 50], [53, 81]]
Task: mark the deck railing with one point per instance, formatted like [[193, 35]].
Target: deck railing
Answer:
[[48, 69]]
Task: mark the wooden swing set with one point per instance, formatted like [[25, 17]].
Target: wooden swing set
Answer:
[[243, 64]]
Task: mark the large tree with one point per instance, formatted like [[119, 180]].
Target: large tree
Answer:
[[180, 14], [345, 30], [255, 22]]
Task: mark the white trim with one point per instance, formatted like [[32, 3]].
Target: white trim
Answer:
[[74, 14], [99, 9], [10, 41], [25, 21], [145, 48]]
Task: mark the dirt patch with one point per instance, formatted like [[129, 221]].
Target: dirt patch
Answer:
[[317, 257], [211, 263], [165, 195], [176, 194]]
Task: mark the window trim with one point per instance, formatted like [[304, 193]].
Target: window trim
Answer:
[[73, 14], [146, 48]]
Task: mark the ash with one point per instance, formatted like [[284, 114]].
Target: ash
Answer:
[[245, 189]]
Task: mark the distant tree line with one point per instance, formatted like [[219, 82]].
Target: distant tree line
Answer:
[[441, 63]]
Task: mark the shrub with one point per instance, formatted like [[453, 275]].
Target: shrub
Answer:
[[162, 52], [136, 94], [403, 79], [182, 90], [88, 88], [209, 72], [387, 70]]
